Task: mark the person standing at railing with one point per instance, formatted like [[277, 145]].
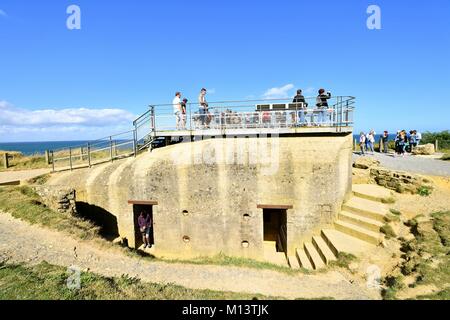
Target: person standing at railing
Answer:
[[177, 108], [301, 105], [371, 141], [322, 106], [203, 107], [183, 113]]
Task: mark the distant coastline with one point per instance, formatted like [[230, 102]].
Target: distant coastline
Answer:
[[32, 148]]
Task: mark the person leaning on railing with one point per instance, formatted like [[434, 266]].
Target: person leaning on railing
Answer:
[[302, 105], [177, 108], [322, 106]]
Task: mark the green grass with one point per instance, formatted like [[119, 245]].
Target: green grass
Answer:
[[393, 285], [388, 231], [23, 203], [343, 260], [224, 260], [389, 200], [20, 162], [441, 295], [48, 282], [424, 191], [427, 257], [395, 212]]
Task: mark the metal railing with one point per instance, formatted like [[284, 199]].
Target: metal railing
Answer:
[[254, 114], [224, 115]]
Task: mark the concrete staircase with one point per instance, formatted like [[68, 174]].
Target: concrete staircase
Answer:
[[356, 230]]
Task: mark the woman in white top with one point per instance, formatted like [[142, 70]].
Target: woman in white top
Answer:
[[177, 108]]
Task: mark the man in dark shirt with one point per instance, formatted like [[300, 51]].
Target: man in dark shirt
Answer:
[[301, 105], [322, 105]]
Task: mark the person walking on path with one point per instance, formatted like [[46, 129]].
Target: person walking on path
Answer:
[[362, 143], [384, 141]]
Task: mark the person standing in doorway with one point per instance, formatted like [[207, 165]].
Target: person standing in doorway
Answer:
[[301, 105], [143, 229], [177, 108], [203, 107]]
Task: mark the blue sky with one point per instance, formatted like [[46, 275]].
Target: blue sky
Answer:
[[129, 54]]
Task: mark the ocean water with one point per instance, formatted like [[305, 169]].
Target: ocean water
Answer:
[[31, 148]]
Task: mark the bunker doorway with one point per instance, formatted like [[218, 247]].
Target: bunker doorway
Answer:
[[275, 228], [145, 207]]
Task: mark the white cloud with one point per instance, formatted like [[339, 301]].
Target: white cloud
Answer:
[[3, 13], [279, 93], [57, 124], [10, 115]]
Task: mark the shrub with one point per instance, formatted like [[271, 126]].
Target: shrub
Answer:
[[388, 231], [424, 191]]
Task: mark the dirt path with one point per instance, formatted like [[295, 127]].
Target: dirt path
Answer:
[[22, 242], [11, 176]]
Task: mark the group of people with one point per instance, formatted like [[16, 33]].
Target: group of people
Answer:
[[204, 117], [403, 142], [321, 107], [180, 110]]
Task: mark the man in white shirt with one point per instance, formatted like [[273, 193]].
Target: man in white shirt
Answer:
[[177, 108]]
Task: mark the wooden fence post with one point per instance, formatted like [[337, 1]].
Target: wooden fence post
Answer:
[[47, 157], [6, 160]]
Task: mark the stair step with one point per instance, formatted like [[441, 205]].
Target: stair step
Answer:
[[371, 192], [303, 259], [314, 256], [322, 248], [358, 232], [366, 208], [341, 242], [293, 262], [363, 222]]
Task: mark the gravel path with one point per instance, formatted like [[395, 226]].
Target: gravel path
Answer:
[[413, 164], [22, 242], [12, 176]]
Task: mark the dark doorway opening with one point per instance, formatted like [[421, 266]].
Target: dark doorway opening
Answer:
[[275, 227], [147, 210], [101, 218]]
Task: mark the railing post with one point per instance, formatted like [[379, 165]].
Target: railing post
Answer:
[[6, 160], [53, 161], [70, 158], [135, 143], [47, 157], [89, 154], [111, 149]]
